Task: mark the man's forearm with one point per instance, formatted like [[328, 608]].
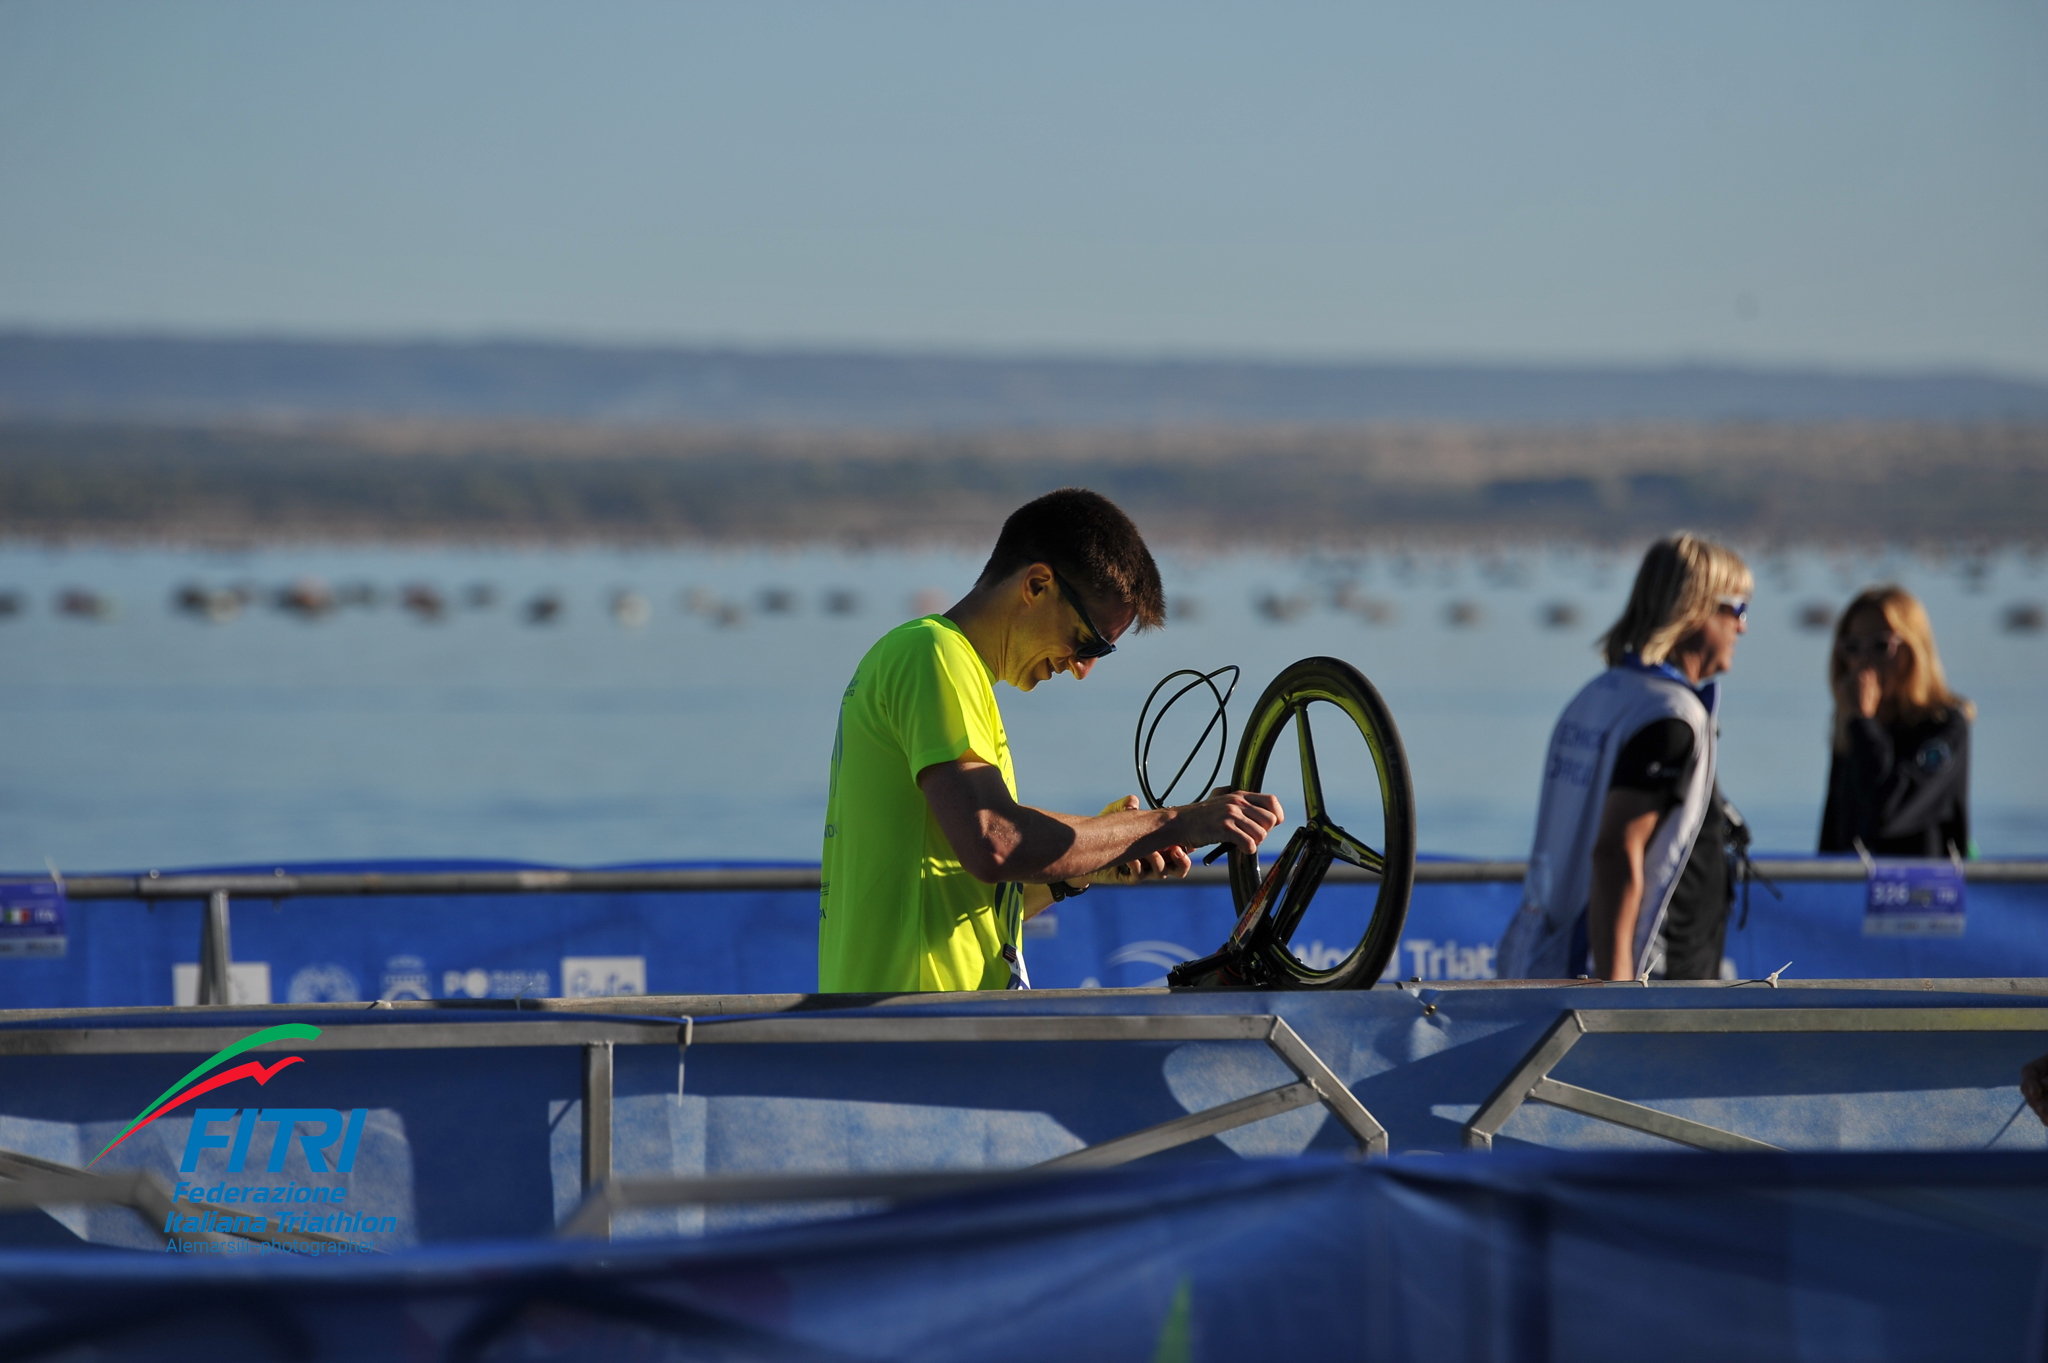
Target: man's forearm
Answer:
[[998, 839], [1037, 845]]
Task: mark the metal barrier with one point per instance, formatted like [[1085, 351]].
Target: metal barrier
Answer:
[[1314, 1082], [216, 950], [1531, 1081], [40, 1183]]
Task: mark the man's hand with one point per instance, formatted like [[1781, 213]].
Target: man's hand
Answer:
[[998, 839], [1173, 863], [2034, 1086], [1241, 818]]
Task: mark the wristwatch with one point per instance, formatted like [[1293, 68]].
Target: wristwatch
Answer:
[[1061, 890]]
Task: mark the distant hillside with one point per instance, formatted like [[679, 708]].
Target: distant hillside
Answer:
[[156, 378], [1286, 486]]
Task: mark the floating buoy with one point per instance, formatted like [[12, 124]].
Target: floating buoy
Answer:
[[1184, 608], [726, 615], [1815, 616], [12, 603], [777, 600], [1559, 615], [308, 598], [1280, 609], [544, 609], [423, 600], [2024, 617], [1373, 610], [218, 605], [841, 601], [630, 609], [82, 603], [1463, 614]]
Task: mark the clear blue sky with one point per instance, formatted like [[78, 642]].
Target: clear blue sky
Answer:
[[1851, 184]]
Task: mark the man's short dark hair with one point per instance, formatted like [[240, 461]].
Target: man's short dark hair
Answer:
[[1092, 544]]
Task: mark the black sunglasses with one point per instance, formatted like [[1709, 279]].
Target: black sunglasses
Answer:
[[1097, 645]]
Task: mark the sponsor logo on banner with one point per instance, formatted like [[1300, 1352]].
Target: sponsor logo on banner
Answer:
[[478, 983], [1913, 898], [248, 982], [1429, 959], [33, 918], [602, 977], [328, 983], [1422, 956], [247, 1218], [406, 977]]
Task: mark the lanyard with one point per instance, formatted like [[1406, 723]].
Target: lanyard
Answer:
[[1010, 925]]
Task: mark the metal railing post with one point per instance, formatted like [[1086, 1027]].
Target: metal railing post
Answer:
[[597, 1115], [215, 950]]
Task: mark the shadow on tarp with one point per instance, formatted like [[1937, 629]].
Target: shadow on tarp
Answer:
[[1529, 1256]]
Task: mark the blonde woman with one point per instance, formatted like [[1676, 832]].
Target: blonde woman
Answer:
[[1628, 870], [1900, 779]]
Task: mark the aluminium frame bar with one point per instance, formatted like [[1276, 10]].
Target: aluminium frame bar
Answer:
[[1314, 1081], [344, 885], [1530, 1079], [28, 1182]]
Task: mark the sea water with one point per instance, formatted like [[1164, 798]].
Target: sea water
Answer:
[[693, 719]]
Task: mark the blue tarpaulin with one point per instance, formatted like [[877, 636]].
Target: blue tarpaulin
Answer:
[[1529, 1256], [326, 950], [467, 1143]]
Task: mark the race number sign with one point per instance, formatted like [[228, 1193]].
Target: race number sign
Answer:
[[32, 920], [1913, 899]]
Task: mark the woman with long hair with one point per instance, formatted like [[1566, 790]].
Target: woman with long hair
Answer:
[[1900, 780], [1628, 866]]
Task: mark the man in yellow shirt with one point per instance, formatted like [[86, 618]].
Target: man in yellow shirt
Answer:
[[930, 863]]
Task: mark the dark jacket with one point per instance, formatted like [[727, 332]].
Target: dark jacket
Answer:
[[1904, 789]]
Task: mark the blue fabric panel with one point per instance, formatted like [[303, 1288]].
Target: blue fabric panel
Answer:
[[487, 1143], [122, 953], [1540, 1256], [1819, 928]]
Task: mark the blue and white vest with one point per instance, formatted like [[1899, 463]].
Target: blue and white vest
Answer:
[[1611, 709]]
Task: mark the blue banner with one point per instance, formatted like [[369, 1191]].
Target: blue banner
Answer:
[[311, 950]]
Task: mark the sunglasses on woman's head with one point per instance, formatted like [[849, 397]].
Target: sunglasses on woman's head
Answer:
[[1739, 605]]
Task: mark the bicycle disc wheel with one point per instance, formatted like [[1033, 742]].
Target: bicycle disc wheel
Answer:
[[1264, 937]]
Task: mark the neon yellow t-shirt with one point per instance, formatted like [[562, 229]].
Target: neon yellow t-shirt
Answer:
[[898, 911]]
